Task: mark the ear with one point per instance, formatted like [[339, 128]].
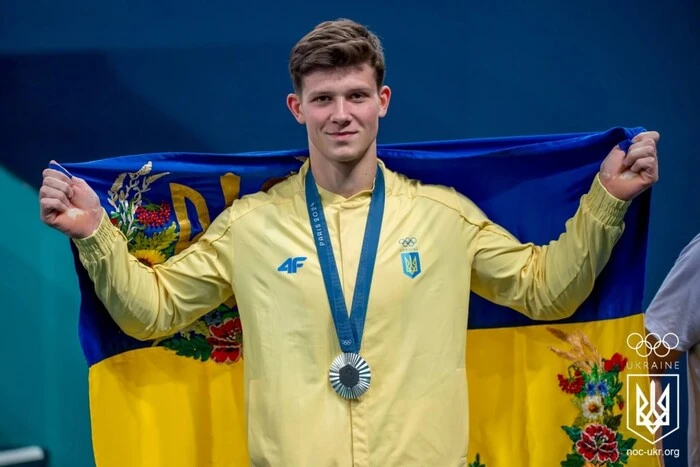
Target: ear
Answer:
[[384, 98], [294, 106]]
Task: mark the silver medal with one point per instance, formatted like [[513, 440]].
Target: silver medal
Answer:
[[350, 375]]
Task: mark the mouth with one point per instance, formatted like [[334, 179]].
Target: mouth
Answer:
[[342, 135]]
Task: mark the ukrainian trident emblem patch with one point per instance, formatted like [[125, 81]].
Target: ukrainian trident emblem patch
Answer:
[[411, 263]]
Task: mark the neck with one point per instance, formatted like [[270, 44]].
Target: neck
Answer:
[[345, 178]]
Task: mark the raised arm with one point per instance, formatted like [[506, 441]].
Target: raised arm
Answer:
[[146, 302], [550, 282]]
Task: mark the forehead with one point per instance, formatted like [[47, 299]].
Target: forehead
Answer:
[[338, 79]]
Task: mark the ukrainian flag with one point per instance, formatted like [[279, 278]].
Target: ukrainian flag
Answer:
[[541, 394]]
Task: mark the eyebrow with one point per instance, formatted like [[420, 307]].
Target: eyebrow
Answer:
[[323, 92]]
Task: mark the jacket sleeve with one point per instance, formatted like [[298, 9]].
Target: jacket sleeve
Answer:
[[546, 282], [149, 302]]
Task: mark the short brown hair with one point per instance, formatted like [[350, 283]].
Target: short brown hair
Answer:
[[335, 44]]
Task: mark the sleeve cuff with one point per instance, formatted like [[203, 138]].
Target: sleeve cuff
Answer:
[[604, 206], [100, 242]]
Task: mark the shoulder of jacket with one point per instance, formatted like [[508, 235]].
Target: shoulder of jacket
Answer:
[[280, 193], [441, 196]]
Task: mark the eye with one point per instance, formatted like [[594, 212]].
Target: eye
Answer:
[[321, 99], [358, 96]]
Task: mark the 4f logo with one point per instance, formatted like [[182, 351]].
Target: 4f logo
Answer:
[[656, 407], [291, 265]]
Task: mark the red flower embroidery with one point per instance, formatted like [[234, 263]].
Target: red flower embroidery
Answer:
[[598, 443], [572, 385], [618, 361], [226, 341], [153, 215]]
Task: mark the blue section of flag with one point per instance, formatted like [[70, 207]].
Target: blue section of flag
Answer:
[[530, 185]]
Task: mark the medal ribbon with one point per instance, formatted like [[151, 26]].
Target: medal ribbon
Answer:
[[348, 328]]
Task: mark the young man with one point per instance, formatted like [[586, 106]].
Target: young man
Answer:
[[675, 310], [387, 386]]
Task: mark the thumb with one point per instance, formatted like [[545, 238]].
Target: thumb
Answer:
[[84, 196], [79, 181], [81, 185], [614, 159]]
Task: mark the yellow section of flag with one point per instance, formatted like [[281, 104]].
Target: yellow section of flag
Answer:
[[520, 412], [150, 407]]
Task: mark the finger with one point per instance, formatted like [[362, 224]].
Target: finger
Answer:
[[53, 193], [643, 144], [647, 164], [637, 153], [51, 173], [59, 185], [647, 135], [50, 206]]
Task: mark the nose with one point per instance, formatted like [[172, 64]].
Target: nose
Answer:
[[340, 114]]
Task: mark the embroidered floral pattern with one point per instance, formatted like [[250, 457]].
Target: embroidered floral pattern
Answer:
[[572, 384], [477, 462], [595, 385], [226, 340], [152, 234], [149, 257], [598, 443], [153, 215]]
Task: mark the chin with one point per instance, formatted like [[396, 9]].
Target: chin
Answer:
[[345, 158], [345, 155]]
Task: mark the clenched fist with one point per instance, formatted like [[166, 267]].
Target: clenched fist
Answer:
[[69, 205], [627, 175]]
